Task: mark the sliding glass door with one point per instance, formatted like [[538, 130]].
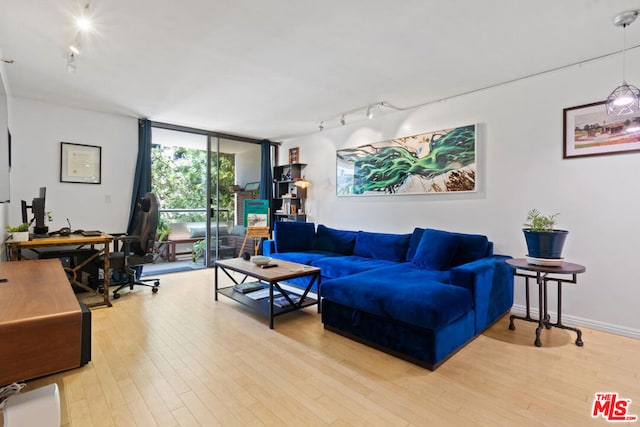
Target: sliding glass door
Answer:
[[200, 180]]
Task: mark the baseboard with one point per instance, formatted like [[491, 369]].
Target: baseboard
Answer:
[[581, 321]]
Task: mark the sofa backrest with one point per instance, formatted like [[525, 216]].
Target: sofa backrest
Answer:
[[336, 241], [390, 247], [292, 236], [441, 250]]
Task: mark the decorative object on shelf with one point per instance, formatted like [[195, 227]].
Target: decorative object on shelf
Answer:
[[80, 163], [625, 99], [543, 241], [289, 192], [294, 155], [589, 131], [435, 162]]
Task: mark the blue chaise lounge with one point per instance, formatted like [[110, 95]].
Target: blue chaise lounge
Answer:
[[420, 296]]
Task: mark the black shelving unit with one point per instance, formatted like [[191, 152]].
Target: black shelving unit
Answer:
[[288, 199]]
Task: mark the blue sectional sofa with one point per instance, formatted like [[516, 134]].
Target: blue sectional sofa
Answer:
[[420, 296]]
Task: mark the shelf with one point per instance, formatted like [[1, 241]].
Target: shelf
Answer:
[[286, 184], [262, 305]]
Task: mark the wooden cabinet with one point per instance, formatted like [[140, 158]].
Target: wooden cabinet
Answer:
[[42, 326], [288, 199]]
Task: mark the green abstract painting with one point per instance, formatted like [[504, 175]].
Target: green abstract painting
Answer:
[[436, 162]]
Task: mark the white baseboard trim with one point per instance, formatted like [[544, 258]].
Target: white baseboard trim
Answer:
[[569, 320]]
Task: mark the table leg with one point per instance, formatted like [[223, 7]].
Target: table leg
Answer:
[[541, 311], [528, 303], [270, 305], [215, 284], [319, 295], [105, 281], [547, 318], [559, 324]]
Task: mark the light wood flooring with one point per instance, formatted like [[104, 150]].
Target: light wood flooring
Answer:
[[178, 358]]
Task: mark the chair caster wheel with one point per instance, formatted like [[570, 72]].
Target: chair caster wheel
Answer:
[[116, 296], [154, 290]]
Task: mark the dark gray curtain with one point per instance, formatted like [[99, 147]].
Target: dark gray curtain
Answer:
[[142, 178], [266, 177]]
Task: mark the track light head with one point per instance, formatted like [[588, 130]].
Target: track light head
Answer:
[[71, 63], [342, 120], [369, 113], [321, 126]]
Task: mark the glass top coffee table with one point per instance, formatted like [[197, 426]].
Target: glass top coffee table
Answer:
[[265, 294]]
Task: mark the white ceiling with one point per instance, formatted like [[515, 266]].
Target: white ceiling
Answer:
[[276, 68]]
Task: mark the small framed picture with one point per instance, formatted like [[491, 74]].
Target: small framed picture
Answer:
[[80, 163], [294, 155], [590, 131]]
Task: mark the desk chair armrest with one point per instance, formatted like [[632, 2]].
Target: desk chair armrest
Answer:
[[121, 242]]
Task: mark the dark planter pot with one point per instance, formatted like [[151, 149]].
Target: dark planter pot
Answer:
[[545, 244]]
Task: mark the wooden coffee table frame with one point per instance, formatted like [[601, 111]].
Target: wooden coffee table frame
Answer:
[[273, 276]]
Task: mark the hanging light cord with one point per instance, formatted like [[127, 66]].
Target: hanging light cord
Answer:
[[624, 52]]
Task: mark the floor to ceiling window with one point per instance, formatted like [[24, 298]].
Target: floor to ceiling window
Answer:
[[200, 178]]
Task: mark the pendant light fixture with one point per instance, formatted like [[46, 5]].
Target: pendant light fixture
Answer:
[[625, 99]]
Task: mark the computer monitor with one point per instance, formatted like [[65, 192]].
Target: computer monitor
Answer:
[[38, 210]]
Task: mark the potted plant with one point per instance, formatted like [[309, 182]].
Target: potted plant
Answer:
[[19, 233], [163, 231], [543, 241], [198, 250]]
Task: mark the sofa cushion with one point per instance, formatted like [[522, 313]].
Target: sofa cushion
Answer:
[[471, 247], [337, 241], [436, 250], [414, 241], [306, 257], [292, 236], [403, 294], [390, 247], [339, 266]]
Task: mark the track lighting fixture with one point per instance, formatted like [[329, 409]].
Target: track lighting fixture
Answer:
[[625, 99], [366, 111], [84, 22], [71, 63], [83, 25], [74, 49]]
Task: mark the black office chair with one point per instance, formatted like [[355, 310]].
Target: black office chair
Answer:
[[136, 249]]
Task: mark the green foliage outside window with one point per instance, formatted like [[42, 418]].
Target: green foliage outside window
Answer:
[[178, 178]]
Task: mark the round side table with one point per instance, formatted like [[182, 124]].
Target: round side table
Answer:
[[543, 275]]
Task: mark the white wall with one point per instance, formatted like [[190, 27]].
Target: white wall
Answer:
[[37, 129], [520, 167]]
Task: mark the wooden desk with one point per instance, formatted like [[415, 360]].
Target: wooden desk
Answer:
[[40, 321], [78, 241]]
